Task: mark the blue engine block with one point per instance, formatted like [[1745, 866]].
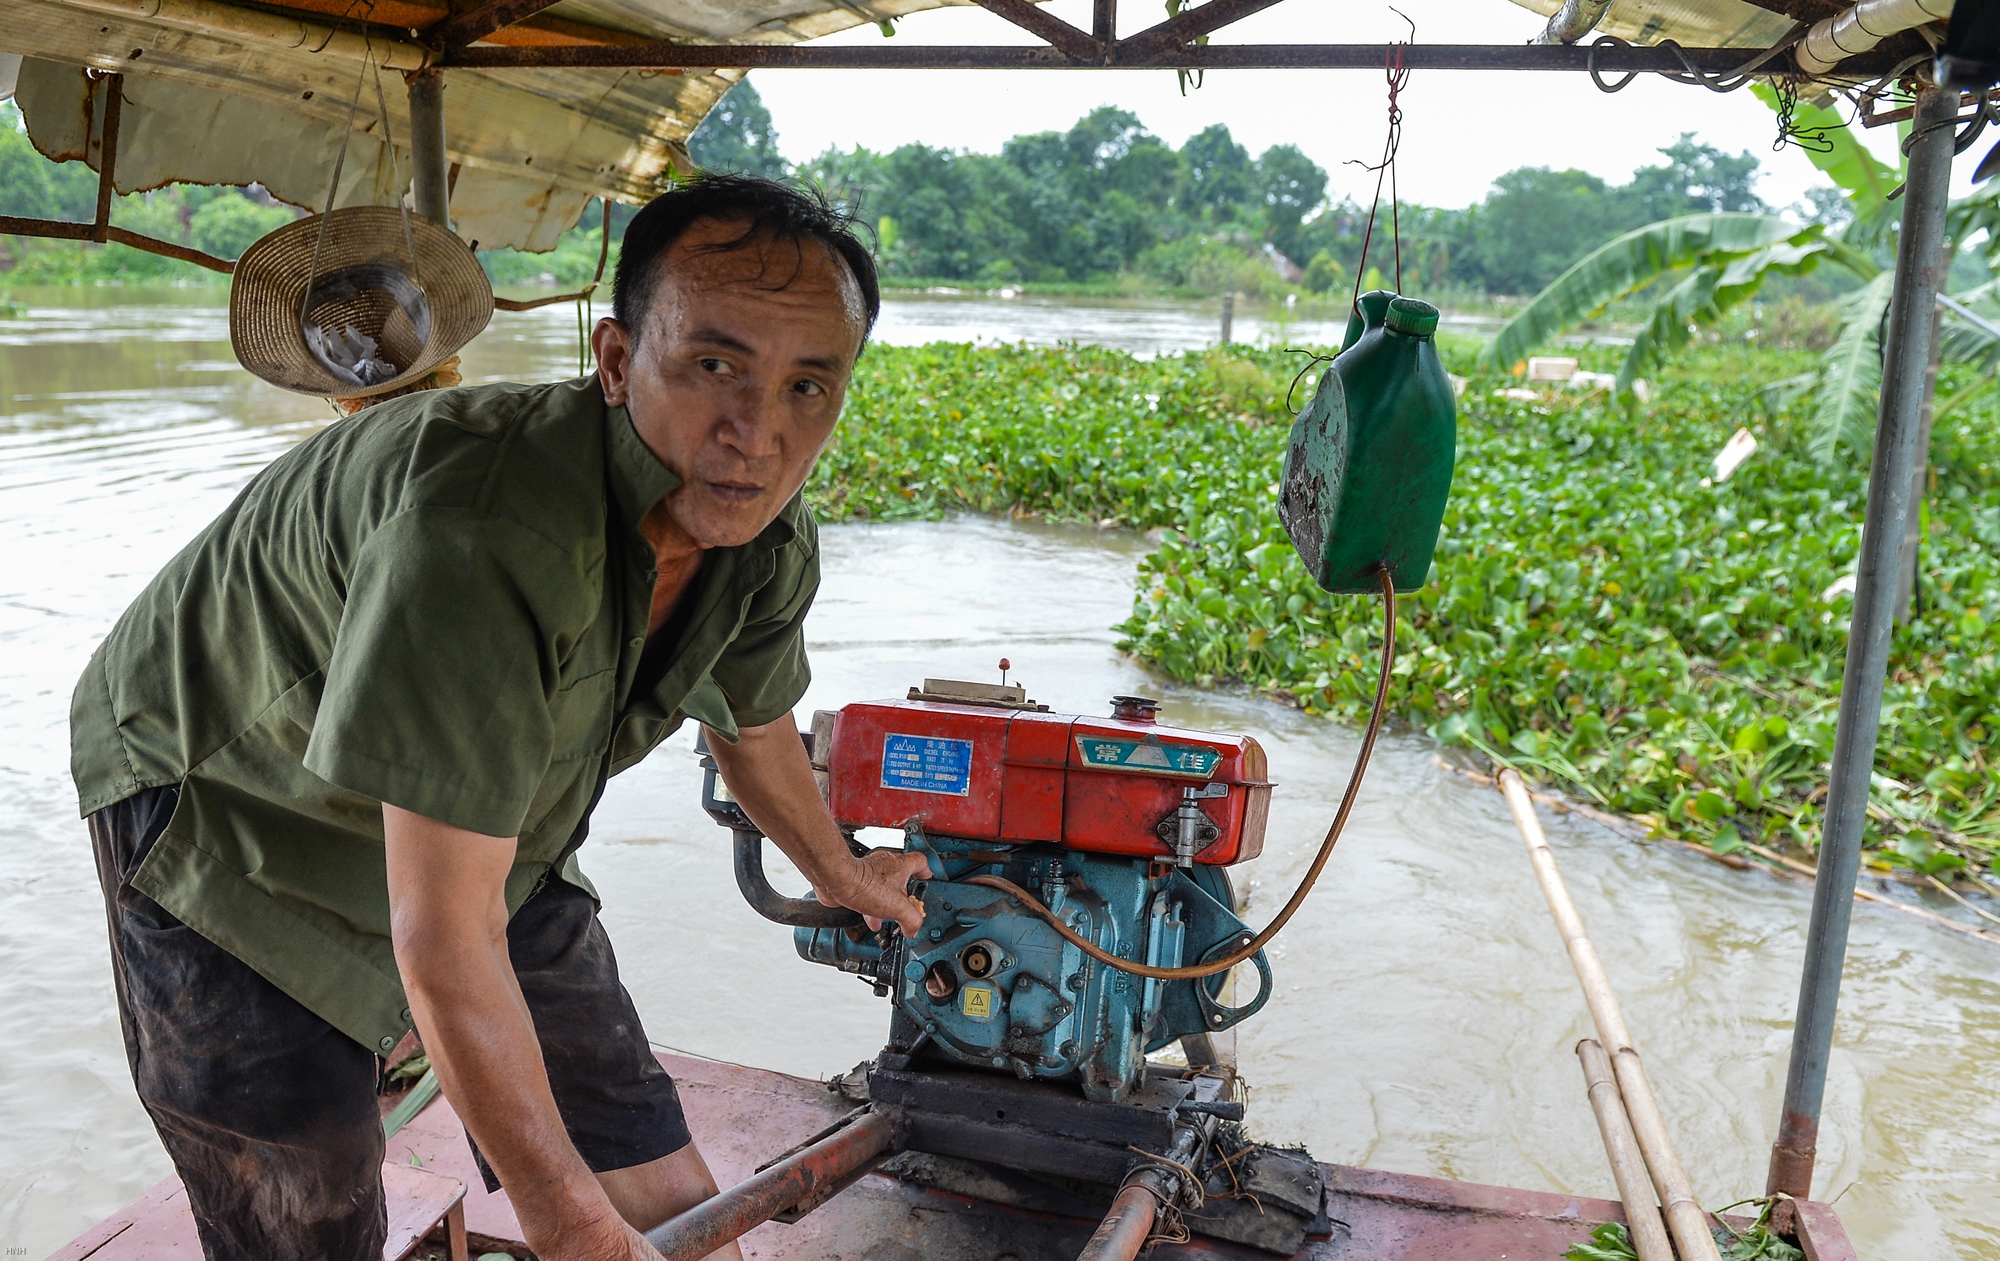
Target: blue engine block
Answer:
[[989, 983]]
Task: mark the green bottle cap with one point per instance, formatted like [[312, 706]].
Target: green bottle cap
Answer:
[[1413, 316]]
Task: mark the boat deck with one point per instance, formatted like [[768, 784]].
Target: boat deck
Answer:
[[744, 1116]]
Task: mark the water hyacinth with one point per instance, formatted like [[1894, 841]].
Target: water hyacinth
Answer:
[[1601, 611]]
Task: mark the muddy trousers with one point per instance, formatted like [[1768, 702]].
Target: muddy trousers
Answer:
[[270, 1114]]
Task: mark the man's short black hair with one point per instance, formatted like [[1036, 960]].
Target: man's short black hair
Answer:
[[765, 208]]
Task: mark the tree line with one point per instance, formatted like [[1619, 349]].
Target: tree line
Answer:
[[1104, 202], [1108, 199], [216, 220]]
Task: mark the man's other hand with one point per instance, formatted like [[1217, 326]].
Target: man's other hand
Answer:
[[878, 885], [612, 1239]]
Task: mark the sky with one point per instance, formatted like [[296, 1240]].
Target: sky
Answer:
[[1460, 128]]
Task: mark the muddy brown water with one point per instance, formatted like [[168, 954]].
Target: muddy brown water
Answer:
[[1424, 1010]]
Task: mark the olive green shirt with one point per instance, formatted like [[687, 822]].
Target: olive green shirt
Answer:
[[440, 604]]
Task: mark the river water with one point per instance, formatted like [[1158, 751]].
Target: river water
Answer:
[[1424, 1009]]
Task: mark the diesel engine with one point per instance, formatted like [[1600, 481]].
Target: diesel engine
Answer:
[[1120, 827]]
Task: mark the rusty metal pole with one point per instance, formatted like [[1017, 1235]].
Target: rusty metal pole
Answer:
[[1128, 1225], [430, 182], [754, 1201], [1104, 29], [1123, 1233], [107, 155], [1890, 482]]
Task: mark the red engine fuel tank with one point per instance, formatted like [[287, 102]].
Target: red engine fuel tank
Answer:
[[959, 765]]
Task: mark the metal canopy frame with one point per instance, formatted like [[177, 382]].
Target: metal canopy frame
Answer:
[[101, 230], [1609, 58], [1179, 43]]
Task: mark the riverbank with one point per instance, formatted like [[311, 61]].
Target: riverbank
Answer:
[[1603, 613]]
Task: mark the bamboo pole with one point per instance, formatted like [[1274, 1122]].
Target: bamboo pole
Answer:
[[1685, 1219], [1621, 1147]]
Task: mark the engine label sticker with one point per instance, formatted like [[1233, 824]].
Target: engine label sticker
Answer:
[[927, 764], [1151, 756], [976, 1001]]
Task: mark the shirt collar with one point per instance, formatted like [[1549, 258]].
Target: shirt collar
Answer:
[[639, 480]]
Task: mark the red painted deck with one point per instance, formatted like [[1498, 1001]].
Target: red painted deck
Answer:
[[158, 1226], [743, 1116]]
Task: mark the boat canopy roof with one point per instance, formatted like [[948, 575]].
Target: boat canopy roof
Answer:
[[217, 92], [230, 92]]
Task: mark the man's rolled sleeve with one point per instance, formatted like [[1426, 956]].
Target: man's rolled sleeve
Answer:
[[764, 671], [437, 694]]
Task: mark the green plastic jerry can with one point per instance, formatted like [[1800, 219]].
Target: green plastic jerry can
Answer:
[[1371, 456]]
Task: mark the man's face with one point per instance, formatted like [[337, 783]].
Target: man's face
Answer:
[[736, 384]]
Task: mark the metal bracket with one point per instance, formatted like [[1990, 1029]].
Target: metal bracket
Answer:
[[1188, 830]]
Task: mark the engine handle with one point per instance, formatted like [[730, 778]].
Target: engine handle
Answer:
[[805, 912]]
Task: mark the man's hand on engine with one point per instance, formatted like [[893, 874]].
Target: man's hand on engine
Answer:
[[878, 886]]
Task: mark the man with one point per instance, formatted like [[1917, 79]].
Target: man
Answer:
[[338, 757]]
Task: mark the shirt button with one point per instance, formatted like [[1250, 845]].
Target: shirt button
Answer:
[[637, 641], [388, 1044], [406, 1015]]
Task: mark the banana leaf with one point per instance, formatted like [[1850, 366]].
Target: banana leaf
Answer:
[[1710, 290], [1962, 341], [1850, 375], [1629, 262], [1969, 215]]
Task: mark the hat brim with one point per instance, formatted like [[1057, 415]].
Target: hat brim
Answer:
[[270, 283]]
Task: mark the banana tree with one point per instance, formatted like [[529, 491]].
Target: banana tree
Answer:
[[1709, 263], [1726, 257]]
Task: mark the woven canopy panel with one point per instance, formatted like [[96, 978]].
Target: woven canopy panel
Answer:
[[1691, 23]]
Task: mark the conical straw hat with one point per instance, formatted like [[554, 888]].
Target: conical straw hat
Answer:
[[366, 293]]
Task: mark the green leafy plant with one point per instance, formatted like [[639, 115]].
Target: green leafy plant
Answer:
[[1612, 1242]]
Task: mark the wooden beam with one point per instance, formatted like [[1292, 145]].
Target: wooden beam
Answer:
[[60, 230], [402, 15], [1046, 26], [483, 21], [107, 152], [548, 32], [1191, 24]]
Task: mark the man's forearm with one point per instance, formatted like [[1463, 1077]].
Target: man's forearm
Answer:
[[448, 922], [481, 1040]]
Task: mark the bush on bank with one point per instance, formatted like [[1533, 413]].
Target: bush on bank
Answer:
[[1597, 613]]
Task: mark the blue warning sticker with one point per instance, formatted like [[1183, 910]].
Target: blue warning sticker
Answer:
[[927, 764]]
